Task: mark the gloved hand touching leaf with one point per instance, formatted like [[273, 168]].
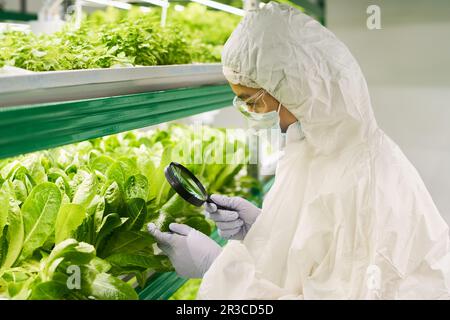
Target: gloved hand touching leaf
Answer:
[[190, 251]]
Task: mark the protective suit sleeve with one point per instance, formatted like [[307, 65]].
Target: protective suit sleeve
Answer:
[[235, 262]]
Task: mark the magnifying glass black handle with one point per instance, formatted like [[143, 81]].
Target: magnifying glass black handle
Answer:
[[218, 206]]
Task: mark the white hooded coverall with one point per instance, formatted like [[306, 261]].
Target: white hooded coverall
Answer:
[[348, 216]]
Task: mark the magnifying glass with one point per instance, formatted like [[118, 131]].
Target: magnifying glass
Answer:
[[186, 184]]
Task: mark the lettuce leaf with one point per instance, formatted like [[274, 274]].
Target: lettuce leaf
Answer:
[[39, 214]]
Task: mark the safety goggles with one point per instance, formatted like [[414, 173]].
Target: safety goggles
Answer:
[[247, 106]]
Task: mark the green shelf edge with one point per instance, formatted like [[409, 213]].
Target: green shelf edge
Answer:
[[161, 286], [31, 128], [17, 16], [315, 9]]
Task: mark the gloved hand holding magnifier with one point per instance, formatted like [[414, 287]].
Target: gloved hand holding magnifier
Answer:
[[233, 215]]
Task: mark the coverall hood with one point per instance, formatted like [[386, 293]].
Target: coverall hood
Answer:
[[306, 68]]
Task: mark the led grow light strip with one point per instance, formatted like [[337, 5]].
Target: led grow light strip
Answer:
[[112, 3], [221, 6], [160, 3], [116, 4]]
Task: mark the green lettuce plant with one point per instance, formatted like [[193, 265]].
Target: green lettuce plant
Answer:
[[115, 38], [85, 207]]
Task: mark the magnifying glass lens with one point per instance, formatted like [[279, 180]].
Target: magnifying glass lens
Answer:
[[189, 184]]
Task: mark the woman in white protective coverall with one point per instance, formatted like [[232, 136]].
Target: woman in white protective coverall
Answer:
[[348, 216]]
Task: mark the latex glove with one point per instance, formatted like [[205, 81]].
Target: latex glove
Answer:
[[235, 221], [190, 251]]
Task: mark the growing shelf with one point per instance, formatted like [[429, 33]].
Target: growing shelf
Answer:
[[35, 127], [54, 86], [48, 109]]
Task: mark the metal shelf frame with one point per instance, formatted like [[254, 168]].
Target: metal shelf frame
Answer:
[[36, 127], [21, 87]]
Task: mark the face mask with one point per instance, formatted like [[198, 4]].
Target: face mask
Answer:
[[261, 121]]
